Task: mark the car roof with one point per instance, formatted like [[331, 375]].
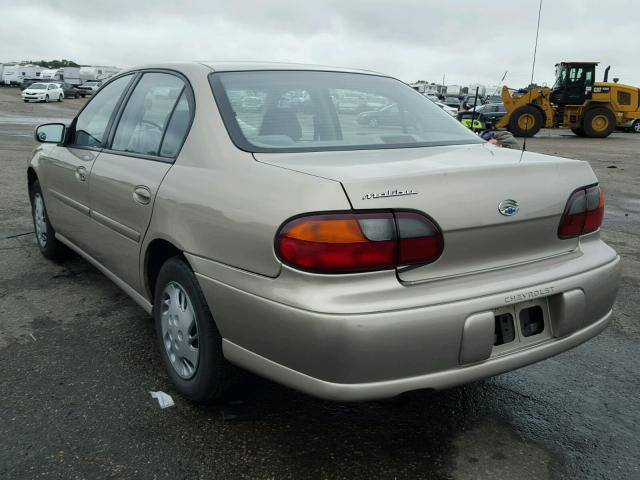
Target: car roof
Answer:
[[235, 66]]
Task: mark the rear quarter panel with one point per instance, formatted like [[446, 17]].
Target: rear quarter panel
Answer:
[[219, 203]]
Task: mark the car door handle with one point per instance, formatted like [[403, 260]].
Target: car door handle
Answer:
[[142, 194], [81, 174]]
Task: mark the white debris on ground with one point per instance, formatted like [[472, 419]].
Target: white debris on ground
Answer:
[[164, 399]]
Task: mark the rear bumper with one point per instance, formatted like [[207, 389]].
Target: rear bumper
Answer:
[[350, 392], [372, 337]]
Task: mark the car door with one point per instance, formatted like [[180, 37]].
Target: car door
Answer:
[[66, 168], [126, 176]]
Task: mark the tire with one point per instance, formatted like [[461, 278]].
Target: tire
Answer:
[[48, 244], [46, 99], [83, 95], [373, 122], [26, 101], [202, 376], [635, 126], [578, 131], [60, 98], [598, 122], [525, 121], [76, 96]]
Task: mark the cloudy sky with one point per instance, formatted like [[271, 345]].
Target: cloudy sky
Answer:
[[467, 41]]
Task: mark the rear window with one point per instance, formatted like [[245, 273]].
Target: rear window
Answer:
[[286, 111]]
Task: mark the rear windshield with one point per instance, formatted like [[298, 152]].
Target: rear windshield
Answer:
[[286, 111]]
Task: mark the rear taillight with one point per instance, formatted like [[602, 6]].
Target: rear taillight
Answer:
[[358, 242], [583, 213]]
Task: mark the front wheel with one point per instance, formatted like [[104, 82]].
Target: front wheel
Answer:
[[48, 244], [60, 98], [525, 121], [46, 99], [635, 126], [190, 343]]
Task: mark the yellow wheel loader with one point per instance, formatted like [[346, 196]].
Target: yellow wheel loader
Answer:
[[576, 101]]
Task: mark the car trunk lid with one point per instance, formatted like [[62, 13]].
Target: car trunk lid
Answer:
[[461, 189]]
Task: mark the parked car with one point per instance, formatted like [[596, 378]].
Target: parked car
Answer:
[[453, 102], [89, 88], [27, 82], [469, 101], [251, 104], [43, 92], [450, 110], [493, 99], [631, 126], [388, 115], [70, 91], [488, 114], [348, 263]]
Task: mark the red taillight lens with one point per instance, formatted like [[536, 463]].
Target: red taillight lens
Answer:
[[584, 212], [358, 242], [420, 241]]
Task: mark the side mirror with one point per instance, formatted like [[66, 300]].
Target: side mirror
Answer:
[[50, 133]]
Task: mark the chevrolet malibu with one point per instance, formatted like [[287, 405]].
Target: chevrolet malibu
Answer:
[[348, 261]]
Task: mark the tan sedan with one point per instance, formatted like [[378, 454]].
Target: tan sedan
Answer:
[[351, 260]]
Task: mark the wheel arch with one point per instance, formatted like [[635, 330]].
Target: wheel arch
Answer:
[[157, 252], [32, 177], [541, 110]]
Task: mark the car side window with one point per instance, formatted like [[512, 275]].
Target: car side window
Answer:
[[177, 128], [142, 125], [93, 120]]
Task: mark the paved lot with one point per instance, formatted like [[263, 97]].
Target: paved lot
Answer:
[[78, 359]]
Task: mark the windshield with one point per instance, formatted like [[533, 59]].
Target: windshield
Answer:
[[561, 75], [315, 111], [37, 86]]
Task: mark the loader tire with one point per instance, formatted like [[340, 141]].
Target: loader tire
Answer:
[[599, 122], [578, 131], [525, 121]]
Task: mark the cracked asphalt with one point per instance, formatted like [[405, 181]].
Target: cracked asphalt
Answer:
[[78, 360]]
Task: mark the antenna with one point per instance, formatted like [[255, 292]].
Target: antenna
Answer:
[[533, 69]]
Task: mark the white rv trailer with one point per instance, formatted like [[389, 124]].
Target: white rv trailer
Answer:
[[51, 74], [66, 74], [91, 73], [10, 75], [14, 74]]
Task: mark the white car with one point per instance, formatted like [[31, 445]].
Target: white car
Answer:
[[451, 111], [631, 126], [43, 92], [89, 88]]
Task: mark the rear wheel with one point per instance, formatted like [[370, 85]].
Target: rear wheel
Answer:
[[49, 246], [598, 122], [525, 121], [190, 343]]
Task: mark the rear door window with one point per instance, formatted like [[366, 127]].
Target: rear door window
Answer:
[[91, 124], [143, 122]]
